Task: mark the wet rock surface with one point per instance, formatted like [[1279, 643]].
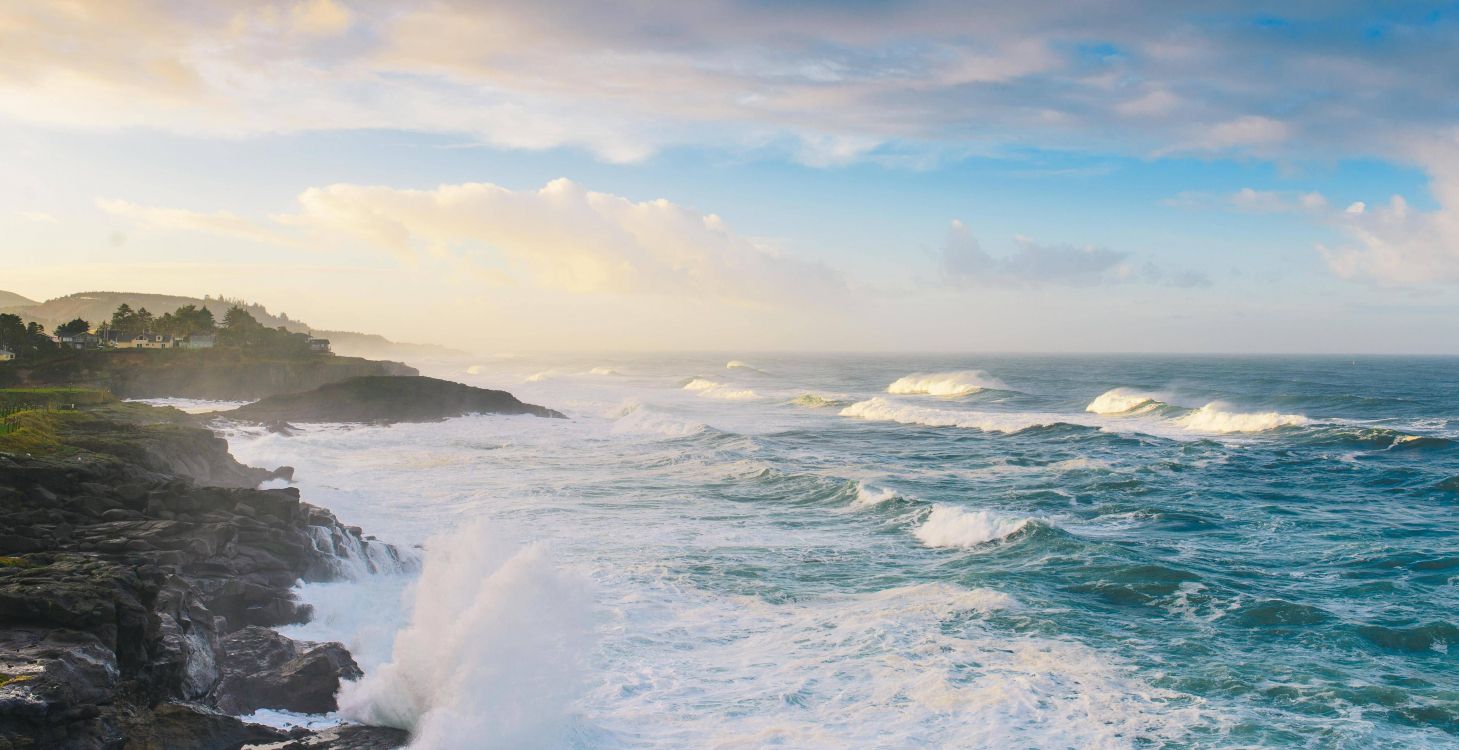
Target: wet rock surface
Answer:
[[135, 595]]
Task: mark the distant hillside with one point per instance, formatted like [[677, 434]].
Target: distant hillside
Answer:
[[11, 299], [98, 307]]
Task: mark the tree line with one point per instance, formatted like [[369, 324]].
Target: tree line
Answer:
[[238, 329]]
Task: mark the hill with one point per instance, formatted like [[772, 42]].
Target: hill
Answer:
[[98, 306], [11, 299]]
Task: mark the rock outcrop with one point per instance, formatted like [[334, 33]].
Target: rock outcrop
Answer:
[[218, 374], [385, 399], [134, 594]]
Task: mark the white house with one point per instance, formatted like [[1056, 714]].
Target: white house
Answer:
[[6, 355]]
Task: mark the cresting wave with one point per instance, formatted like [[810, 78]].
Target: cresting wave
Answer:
[[881, 410], [1123, 401], [1214, 417], [952, 527], [712, 389], [960, 383], [814, 401], [736, 364]]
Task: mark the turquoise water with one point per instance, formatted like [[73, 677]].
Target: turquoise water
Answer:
[[1228, 552]]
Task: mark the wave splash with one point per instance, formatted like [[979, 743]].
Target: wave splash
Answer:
[[948, 526], [494, 652], [961, 383], [878, 409]]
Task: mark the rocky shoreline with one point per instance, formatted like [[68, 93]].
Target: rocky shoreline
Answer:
[[140, 574]]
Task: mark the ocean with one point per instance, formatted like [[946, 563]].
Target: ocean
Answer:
[[839, 551]]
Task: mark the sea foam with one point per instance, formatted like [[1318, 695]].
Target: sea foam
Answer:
[[950, 526], [882, 410], [959, 383], [494, 652]]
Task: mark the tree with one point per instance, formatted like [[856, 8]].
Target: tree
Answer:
[[125, 322], [73, 328], [23, 339]]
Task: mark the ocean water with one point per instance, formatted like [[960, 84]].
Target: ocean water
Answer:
[[908, 552]]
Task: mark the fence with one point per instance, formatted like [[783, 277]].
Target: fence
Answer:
[[8, 421]]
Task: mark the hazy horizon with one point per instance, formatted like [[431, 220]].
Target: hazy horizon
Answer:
[[899, 177]]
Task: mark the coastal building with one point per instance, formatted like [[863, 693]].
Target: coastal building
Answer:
[[198, 341], [319, 345], [78, 340], [6, 355]]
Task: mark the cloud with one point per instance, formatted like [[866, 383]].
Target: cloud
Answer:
[[964, 263], [561, 236], [220, 223], [833, 83]]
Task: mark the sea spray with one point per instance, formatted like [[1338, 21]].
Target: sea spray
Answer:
[[493, 655]]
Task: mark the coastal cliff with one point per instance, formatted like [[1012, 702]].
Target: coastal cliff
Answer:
[[215, 374], [140, 572]]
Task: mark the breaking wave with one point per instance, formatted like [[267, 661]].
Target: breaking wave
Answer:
[[603, 371], [815, 401], [1214, 418], [632, 417], [868, 496], [736, 364], [1124, 401], [945, 383], [712, 389], [952, 527], [494, 652], [881, 410]]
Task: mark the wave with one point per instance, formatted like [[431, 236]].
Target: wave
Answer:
[[632, 417], [878, 409], [496, 648], [712, 389], [960, 383], [1124, 401], [815, 401], [868, 496], [538, 377], [1213, 417], [736, 364], [603, 371], [948, 526]]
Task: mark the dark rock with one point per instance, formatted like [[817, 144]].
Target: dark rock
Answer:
[[179, 726], [263, 669], [345, 737], [385, 399], [122, 574]]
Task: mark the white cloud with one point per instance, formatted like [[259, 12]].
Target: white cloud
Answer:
[[562, 237]]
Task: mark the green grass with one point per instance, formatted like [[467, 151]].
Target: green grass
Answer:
[[11, 679]]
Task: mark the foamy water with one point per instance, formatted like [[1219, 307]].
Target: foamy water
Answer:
[[671, 569]]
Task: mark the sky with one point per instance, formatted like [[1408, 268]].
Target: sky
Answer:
[[748, 175]]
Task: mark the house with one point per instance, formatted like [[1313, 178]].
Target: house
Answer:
[[319, 345], [78, 340], [198, 341], [6, 355]]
